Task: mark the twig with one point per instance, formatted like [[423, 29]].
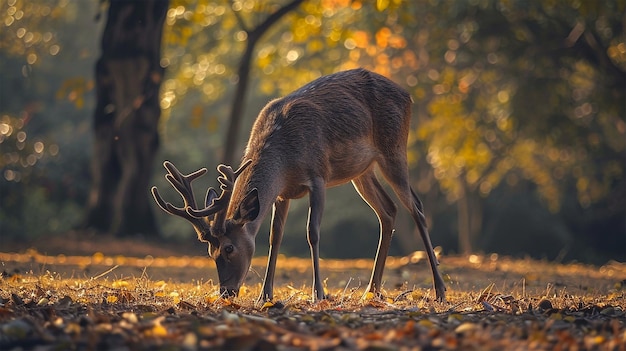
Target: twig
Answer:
[[402, 295], [105, 272], [343, 294]]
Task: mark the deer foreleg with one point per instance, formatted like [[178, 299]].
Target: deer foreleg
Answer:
[[279, 217], [316, 208]]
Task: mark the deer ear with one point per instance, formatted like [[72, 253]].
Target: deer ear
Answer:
[[211, 195], [248, 208]]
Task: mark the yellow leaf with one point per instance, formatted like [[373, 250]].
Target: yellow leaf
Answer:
[[211, 298], [368, 295], [267, 305], [111, 299], [594, 340], [157, 330], [175, 297], [465, 327], [120, 284], [417, 295]]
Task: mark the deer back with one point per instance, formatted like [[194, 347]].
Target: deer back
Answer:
[[334, 127]]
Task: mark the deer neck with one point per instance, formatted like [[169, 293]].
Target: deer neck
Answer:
[[266, 178]]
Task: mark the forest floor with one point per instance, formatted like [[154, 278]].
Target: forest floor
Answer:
[[84, 292]]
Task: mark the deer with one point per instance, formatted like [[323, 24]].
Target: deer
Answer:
[[338, 128]]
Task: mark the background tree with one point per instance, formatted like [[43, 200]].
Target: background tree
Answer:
[[128, 78], [252, 37]]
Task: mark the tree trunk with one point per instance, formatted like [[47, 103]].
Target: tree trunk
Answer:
[[470, 218], [128, 77], [463, 217], [476, 217], [237, 107]]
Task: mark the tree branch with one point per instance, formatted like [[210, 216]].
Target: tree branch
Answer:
[[240, 20], [259, 30], [243, 72]]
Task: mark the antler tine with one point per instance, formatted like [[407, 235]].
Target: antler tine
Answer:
[[159, 200], [183, 179], [228, 176], [216, 206], [182, 184], [213, 203], [227, 180], [183, 187], [168, 207], [243, 166], [228, 173]]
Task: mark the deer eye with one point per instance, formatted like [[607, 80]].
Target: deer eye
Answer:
[[229, 249]]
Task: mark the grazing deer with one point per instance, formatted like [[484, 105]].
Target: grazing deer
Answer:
[[333, 130]]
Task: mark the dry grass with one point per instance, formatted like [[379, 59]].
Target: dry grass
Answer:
[[100, 302]]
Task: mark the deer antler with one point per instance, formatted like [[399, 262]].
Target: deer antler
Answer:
[[182, 184], [227, 182]]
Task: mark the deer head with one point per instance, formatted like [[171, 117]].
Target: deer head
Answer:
[[209, 222]]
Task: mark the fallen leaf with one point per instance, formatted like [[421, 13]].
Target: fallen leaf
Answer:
[[267, 305], [120, 284], [466, 327]]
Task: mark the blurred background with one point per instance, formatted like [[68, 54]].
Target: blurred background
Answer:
[[517, 146]]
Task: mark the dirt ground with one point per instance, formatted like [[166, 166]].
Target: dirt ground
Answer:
[[86, 255]]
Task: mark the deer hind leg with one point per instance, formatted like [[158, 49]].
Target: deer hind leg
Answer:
[[375, 196], [279, 217], [396, 172]]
